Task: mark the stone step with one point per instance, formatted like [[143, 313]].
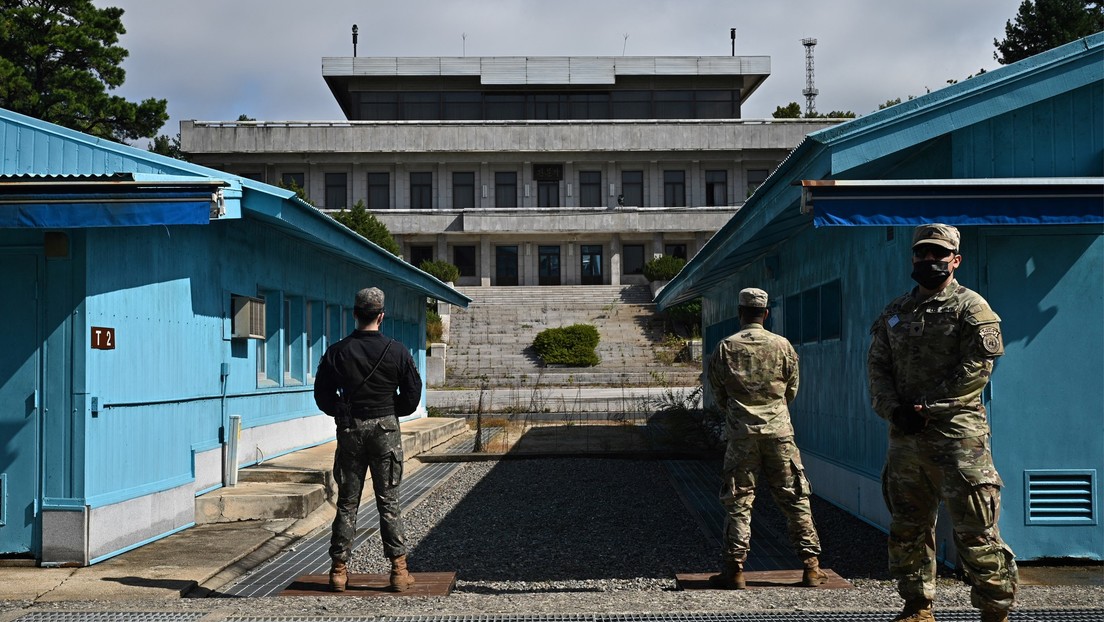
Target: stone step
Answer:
[[260, 501]]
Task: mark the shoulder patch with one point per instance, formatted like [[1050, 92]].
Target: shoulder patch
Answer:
[[990, 338]]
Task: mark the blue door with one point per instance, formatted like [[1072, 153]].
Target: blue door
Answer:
[[19, 403], [1046, 393]]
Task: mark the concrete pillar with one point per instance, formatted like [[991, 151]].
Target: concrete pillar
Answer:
[[486, 263], [615, 260]]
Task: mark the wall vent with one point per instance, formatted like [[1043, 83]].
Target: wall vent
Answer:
[[1060, 497], [248, 320]]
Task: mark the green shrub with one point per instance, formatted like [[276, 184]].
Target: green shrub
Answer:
[[663, 268], [435, 330], [568, 345], [442, 270]]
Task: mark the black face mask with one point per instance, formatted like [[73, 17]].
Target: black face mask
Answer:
[[930, 274]]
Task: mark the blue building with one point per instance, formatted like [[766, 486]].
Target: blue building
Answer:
[[1014, 158], [147, 301]]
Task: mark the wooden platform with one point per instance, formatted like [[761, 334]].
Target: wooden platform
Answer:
[[426, 584], [763, 579]]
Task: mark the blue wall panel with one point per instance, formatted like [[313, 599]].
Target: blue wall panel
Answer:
[[166, 292]]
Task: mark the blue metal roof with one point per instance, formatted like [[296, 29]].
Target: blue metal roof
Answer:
[[32, 150], [773, 213]]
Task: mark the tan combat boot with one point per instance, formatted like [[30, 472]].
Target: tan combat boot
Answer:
[[994, 615], [813, 575], [401, 579], [916, 610], [731, 578], [339, 576]]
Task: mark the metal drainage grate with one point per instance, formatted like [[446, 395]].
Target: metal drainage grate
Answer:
[[109, 616]]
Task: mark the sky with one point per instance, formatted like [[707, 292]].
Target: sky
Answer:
[[216, 59]]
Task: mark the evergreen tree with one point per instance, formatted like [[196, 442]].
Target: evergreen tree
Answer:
[[366, 224], [1045, 24], [59, 59]]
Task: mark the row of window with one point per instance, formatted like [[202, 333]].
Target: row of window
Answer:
[[814, 315], [548, 178], [567, 105], [465, 257], [297, 332]]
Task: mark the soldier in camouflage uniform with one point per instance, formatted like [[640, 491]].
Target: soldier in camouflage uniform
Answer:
[[931, 354], [356, 384], [754, 376]]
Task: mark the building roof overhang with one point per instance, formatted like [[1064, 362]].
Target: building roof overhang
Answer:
[[342, 72]]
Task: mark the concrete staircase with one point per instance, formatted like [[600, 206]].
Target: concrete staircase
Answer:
[[492, 338]]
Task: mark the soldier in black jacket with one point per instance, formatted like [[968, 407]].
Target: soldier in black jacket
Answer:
[[366, 382]]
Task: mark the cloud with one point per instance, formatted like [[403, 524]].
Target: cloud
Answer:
[[216, 59]]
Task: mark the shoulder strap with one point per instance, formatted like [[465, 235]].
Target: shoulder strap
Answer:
[[374, 367]]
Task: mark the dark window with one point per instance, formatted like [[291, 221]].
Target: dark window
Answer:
[[632, 259], [631, 105], [293, 180], [421, 106], [550, 106], [792, 311], [674, 105], [463, 257], [255, 176], [379, 191], [755, 177], [421, 190], [716, 188], [831, 313], [590, 189], [810, 316], [548, 194], [590, 105], [674, 188], [505, 189], [379, 106], [463, 106], [418, 254], [632, 188], [463, 190], [336, 191], [504, 107], [675, 250], [716, 105]]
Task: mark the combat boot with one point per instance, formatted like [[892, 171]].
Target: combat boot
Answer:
[[813, 575], [339, 576], [994, 615], [401, 579], [916, 610], [731, 578]]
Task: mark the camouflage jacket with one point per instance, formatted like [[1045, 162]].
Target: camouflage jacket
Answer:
[[939, 352], [754, 375]]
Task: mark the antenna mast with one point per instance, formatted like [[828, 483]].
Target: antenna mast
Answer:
[[810, 91]]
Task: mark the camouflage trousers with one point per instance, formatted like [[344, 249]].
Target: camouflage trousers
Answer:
[[367, 445], [780, 461], [923, 469]]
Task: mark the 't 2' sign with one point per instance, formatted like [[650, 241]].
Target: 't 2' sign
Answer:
[[103, 338]]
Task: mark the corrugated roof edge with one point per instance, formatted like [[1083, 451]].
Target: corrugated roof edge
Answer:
[[173, 167]]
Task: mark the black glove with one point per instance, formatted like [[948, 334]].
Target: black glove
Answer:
[[907, 420]]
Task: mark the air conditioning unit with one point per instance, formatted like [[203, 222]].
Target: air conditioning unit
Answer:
[[248, 320]]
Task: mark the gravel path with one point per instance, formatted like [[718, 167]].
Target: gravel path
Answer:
[[562, 536]]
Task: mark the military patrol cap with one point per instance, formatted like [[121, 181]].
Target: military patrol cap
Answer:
[[753, 297], [936, 233], [369, 300]]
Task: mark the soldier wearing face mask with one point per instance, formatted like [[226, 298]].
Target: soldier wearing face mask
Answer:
[[931, 354]]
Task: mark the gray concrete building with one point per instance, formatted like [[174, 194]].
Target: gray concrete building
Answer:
[[525, 170]]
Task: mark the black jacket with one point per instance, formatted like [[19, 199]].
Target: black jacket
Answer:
[[395, 388]]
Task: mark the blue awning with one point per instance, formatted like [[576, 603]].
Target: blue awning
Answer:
[[1035, 201], [68, 203]]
